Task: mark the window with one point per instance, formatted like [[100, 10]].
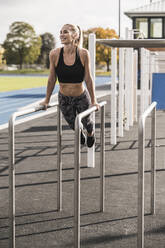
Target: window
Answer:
[[142, 26], [156, 27]]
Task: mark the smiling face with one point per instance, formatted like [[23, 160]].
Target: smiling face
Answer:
[[68, 35]]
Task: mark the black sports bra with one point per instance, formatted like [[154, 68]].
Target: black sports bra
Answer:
[[70, 73]]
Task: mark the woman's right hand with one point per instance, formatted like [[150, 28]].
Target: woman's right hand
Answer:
[[44, 104]]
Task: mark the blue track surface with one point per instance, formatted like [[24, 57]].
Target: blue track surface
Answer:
[[12, 100]]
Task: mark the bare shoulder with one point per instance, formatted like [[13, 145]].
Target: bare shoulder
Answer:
[[84, 55], [54, 54], [84, 52]]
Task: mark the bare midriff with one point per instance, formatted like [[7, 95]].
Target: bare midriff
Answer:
[[70, 89]]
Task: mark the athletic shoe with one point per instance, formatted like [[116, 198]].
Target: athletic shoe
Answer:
[[90, 140], [83, 138]]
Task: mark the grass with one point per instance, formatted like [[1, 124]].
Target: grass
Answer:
[[17, 83], [25, 71]]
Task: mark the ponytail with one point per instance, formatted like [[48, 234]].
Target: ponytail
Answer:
[[80, 38]]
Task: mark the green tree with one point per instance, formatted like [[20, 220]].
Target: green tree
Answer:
[[103, 53], [22, 45], [48, 43]]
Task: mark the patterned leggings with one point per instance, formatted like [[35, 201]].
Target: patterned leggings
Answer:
[[71, 105]]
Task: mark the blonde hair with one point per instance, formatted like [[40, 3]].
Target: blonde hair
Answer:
[[76, 29]]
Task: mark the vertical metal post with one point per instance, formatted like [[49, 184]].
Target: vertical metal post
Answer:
[[131, 89], [141, 159], [77, 185], [121, 91], [135, 82], [102, 159], [153, 160], [59, 160], [152, 65], [113, 96], [92, 51], [127, 89], [119, 17], [11, 184], [144, 81]]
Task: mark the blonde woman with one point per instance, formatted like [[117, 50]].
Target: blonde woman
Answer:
[[71, 65]]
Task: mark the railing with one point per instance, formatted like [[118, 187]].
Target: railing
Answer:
[[141, 164], [77, 168], [12, 166]]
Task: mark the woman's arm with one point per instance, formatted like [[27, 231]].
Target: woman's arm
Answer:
[[52, 76], [51, 79], [88, 78]]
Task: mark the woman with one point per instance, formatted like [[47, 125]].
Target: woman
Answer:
[[71, 65]]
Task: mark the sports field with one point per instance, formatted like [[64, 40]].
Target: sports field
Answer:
[[9, 83], [22, 79]]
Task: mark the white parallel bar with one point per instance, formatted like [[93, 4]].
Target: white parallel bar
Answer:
[[131, 87], [152, 65], [129, 80], [147, 79], [113, 95], [121, 92], [127, 89], [135, 84], [142, 81], [92, 51]]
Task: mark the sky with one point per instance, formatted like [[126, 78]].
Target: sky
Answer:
[[51, 15]]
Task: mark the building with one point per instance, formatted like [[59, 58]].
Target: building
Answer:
[[149, 19]]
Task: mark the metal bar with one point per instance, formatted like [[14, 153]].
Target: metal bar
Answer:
[[11, 183], [138, 43], [135, 82], [102, 159], [153, 161], [141, 165], [127, 89], [77, 184], [90, 110], [130, 52], [113, 96], [11, 146], [92, 51], [59, 160], [121, 91], [141, 159], [77, 172]]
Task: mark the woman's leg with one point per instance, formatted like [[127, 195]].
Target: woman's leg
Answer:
[[83, 103], [68, 109]]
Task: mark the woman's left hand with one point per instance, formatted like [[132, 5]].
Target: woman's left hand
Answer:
[[97, 105]]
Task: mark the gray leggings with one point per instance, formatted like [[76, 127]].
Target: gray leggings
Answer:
[[70, 106]]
